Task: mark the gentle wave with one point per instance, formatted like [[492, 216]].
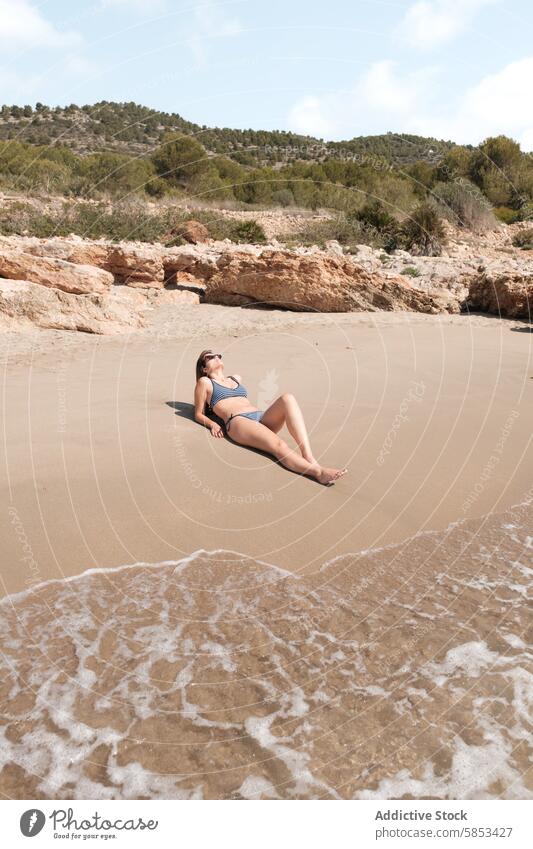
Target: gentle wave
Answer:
[[399, 672]]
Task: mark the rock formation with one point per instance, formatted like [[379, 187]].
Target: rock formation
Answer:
[[509, 294], [195, 262], [27, 304], [141, 267], [314, 282], [56, 273], [193, 232], [124, 279]]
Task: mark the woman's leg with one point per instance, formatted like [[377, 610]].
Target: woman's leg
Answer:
[[256, 435], [286, 410]]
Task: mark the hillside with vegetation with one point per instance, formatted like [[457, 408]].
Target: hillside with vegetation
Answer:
[[391, 190], [133, 129]]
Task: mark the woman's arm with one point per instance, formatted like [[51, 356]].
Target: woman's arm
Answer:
[[200, 400]]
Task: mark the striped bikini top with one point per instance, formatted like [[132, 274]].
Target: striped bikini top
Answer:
[[220, 391]]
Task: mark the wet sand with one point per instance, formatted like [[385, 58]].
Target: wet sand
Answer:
[[400, 673]]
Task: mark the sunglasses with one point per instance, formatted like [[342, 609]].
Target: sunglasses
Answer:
[[211, 357]]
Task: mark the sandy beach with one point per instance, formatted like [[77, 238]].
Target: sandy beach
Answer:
[[336, 206], [284, 640], [104, 465]]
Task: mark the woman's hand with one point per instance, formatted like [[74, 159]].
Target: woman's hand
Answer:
[[216, 430]]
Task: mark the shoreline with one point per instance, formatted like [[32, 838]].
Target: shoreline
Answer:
[[22, 594], [393, 675]]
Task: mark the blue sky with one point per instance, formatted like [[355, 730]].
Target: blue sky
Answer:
[[454, 69]]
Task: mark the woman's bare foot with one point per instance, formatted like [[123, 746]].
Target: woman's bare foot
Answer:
[[329, 476]]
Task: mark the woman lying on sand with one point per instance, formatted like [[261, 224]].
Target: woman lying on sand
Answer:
[[250, 426]]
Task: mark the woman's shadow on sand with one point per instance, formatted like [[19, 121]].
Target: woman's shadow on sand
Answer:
[[186, 411], [183, 410]]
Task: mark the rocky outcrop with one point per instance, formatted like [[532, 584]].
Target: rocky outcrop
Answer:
[[73, 249], [27, 304], [508, 294], [196, 262], [444, 273], [142, 267], [175, 296], [109, 286], [314, 282], [89, 253], [56, 273], [458, 266], [136, 264], [194, 232]]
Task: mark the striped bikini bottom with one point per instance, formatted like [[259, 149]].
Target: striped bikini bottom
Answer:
[[256, 415]]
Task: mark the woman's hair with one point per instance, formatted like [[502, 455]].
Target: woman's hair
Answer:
[[200, 363], [200, 373]]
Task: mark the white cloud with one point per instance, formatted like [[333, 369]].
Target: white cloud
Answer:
[[209, 21], [498, 103], [20, 88], [526, 140], [201, 22], [380, 88], [503, 97], [76, 63], [431, 22], [377, 94], [22, 26], [308, 117]]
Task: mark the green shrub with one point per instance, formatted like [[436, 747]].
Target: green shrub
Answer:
[[123, 221], [250, 167], [411, 271], [207, 185], [180, 158], [126, 220], [496, 167], [375, 215], [113, 173], [249, 232], [422, 175], [398, 192], [156, 187], [219, 226], [283, 197], [348, 232], [344, 231], [456, 163], [524, 239], [422, 232], [507, 215], [381, 228], [34, 176], [462, 203], [22, 218], [526, 212]]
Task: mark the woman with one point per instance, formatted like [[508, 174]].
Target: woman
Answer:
[[250, 426]]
